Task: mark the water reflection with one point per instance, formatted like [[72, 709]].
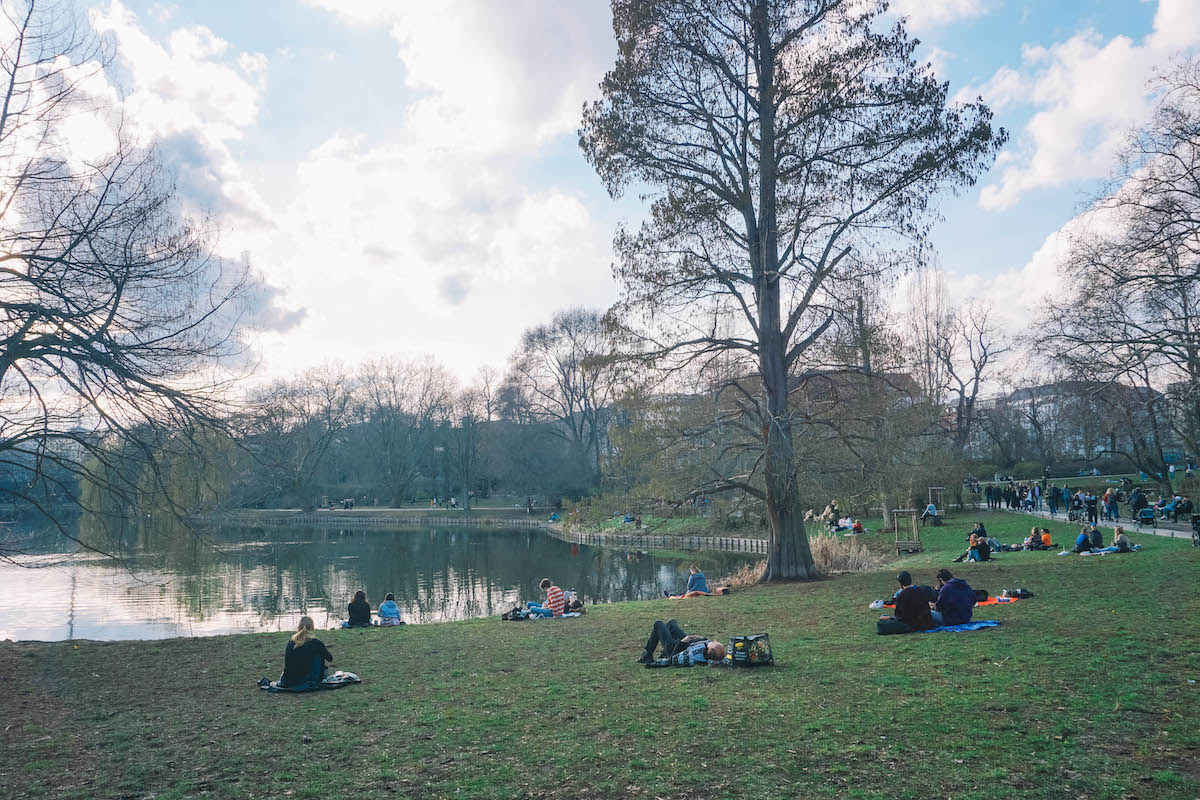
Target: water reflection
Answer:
[[244, 579]]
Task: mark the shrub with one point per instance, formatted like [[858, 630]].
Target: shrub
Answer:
[[830, 554]]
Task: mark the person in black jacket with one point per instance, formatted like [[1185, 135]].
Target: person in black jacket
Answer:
[[305, 657], [912, 609], [360, 611]]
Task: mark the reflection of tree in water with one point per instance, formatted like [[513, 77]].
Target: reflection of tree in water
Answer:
[[274, 575]]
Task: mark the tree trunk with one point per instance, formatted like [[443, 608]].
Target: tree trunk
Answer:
[[788, 553]]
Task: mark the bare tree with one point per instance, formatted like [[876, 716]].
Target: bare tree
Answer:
[[1134, 266], [114, 314], [296, 425], [566, 373], [968, 342], [403, 406], [789, 145]]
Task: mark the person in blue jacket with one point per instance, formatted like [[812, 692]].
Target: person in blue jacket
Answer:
[[1083, 543], [696, 582], [955, 602]]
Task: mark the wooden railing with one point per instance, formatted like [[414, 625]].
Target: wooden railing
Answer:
[[730, 544]]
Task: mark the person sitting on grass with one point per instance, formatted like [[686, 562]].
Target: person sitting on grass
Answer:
[[359, 611], [955, 601], [1095, 536], [696, 581], [555, 601], [305, 657], [1083, 543], [678, 648], [1121, 543], [389, 612], [857, 527], [697, 584], [1034, 540], [1046, 539], [912, 609]]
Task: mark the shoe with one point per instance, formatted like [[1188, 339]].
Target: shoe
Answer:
[[645, 658]]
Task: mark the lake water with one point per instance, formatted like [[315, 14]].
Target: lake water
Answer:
[[255, 579]]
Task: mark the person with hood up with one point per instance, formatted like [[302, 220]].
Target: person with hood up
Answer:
[[389, 612], [955, 602]]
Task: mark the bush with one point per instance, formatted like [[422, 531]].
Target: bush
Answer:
[[1025, 470], [831, 554]]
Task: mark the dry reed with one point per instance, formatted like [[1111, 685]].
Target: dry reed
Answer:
[[831, 554]]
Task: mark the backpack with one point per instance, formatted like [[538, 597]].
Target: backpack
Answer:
[[981, 595], [750, 651]]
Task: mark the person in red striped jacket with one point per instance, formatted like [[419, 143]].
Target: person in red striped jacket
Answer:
[[555, 601]]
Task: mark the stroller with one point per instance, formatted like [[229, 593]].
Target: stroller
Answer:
[[1075, 512], [1146, 516]]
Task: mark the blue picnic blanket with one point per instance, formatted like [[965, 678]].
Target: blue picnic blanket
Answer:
[[335, 681], [967, 626]]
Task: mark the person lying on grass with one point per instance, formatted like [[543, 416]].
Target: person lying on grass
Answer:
[[678, 648], [955, 601], [912, 609], [305, 657]]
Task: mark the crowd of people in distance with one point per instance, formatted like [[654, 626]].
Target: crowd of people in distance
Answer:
[[923, 608], [1084, 505]]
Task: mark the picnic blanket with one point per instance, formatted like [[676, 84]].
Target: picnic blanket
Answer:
[[560, 616], [335, 681], [991, 601], [685, 595], [965, 627]]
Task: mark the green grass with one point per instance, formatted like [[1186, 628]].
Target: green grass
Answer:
[[1083, 691]]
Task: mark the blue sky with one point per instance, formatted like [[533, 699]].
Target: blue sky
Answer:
[[406, 179]]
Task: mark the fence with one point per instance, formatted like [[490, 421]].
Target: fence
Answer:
[[729, 544]]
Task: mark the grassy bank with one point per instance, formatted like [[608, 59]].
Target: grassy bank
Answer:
[[1083, 691]]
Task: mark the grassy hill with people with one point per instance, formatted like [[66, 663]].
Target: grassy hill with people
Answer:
[[1087, 690]]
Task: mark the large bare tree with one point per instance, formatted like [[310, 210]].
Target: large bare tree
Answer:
[[115, 316], [787, 146], [1134, 268]]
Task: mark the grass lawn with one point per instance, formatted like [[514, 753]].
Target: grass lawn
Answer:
[[1087, 690]]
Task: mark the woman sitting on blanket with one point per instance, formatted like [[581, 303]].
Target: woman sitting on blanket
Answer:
[[305, 657], [1121, 543]]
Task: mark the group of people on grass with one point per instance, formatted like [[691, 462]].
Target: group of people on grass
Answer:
[[923, 608], [1091, 540], [359, 612]]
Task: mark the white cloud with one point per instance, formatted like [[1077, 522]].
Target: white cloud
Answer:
[[194, 98], [925, 14], [532, 65], [1088, 92]]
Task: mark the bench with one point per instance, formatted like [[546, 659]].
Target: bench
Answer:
[[909, 546]]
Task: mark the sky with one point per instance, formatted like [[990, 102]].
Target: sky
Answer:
[[405, 176]]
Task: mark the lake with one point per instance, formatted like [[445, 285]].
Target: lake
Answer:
[[239, 580]]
